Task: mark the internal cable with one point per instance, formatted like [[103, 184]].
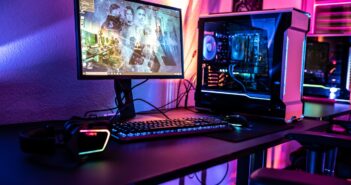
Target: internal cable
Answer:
[[231, 69]]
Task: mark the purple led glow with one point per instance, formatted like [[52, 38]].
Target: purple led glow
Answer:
[[38, 74], [335, 13], [333, 20], [334, 3], [13, 63]]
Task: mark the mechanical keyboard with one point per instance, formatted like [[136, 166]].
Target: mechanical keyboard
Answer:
[[137, 130]]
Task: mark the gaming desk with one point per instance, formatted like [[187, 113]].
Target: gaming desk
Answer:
[[325, 111], [147, 162]]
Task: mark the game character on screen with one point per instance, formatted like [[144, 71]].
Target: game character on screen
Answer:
[[113, 19], [128, 30], [144, 58], [140, 22], [129, 16], [149, 56]]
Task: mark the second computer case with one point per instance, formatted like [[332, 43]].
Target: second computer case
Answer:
[[252, 62]]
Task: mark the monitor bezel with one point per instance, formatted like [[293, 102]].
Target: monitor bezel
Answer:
[[80, 74]]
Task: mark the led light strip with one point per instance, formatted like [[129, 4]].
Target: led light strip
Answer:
[[98, 150], [341, 100], [221, 92], [348, 71], [319, 86], [286, 62], [303, 66]]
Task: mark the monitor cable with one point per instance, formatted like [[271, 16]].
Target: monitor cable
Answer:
[[162, 107], [131, 89], [86, 114], [139, 99], [186, 69], [187, 90], [159, 109]]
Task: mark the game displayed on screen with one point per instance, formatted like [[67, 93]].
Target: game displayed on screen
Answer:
[[129, 38]]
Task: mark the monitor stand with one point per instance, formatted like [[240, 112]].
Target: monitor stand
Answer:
[[124, 96]]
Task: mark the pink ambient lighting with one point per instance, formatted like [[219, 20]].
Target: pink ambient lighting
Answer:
[[313, 22]]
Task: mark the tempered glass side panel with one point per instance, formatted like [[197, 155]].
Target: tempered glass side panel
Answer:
[[238, 54], [327, 69]]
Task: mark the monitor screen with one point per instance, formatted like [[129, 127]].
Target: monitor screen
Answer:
[[327, 68], [128, 39]]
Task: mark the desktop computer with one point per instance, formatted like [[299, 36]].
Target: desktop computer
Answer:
[[251, 62], [328, 68]]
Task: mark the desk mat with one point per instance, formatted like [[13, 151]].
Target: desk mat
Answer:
[[256, 128]]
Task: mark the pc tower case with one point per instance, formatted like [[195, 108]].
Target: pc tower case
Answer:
[[328, 68], [252, 62]]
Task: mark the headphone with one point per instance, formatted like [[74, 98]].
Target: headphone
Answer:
[[80, 137]]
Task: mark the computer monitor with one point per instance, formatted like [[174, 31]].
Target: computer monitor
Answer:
[[252, 63], [328, 67], [126, 39]]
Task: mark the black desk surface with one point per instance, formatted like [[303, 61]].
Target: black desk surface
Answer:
[[143, 162], [324, 111]]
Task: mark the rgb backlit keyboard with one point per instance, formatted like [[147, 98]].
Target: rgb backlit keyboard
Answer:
[[137, 130]]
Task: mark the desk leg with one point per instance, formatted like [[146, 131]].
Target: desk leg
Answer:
[[311, 161], [181, 181], [329, 168], [203, 176], [248, 164]]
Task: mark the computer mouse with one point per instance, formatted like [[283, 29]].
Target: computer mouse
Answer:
[[237, 120]]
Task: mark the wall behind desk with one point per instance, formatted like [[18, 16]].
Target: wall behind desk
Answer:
[[38, 73]]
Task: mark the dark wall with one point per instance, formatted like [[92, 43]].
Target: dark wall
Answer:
[[38, 79]]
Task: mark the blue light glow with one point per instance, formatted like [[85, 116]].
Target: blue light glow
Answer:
[[251, 96], [333, 90]]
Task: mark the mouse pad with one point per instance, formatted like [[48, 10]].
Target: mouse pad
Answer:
[[256, 128]]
